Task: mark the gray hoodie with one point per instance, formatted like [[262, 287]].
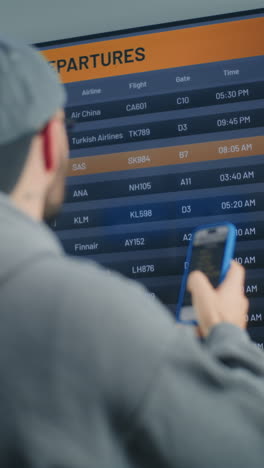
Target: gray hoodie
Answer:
[[95, 373]]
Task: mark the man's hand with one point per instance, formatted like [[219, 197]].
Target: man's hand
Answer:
[[226, 303]]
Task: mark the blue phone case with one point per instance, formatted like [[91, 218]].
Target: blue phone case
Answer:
[[227, 257]]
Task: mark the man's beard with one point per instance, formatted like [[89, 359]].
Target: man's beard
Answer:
[[55, 195]]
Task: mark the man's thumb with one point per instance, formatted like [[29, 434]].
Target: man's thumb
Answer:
[[203, 298], [201, 290], [197, 281]]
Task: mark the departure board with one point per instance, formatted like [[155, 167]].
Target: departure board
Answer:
[[168, 135]]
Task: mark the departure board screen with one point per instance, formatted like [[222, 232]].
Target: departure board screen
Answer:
[[168, 135]]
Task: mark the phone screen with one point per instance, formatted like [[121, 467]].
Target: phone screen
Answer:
[[207, 256], [208, 259]]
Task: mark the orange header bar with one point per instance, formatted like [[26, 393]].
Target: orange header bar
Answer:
[[155, 51]]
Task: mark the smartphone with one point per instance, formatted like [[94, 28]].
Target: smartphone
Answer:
[[210, 251]]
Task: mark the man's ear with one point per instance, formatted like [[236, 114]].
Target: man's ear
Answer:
[[49, 145]]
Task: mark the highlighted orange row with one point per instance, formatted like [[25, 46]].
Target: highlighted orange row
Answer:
[[167, 156], [157, 51]]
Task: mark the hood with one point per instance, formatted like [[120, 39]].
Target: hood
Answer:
[[22, 239]]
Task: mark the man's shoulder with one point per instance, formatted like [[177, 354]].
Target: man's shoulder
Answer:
[[80, 276], [112, 325], [85, 285]]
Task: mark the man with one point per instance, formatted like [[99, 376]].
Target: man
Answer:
[[94, 372]]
